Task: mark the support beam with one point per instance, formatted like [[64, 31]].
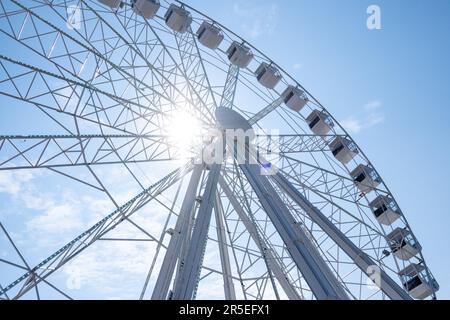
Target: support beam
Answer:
[[361, 259], [165, 276], [228, 285], [272, 261], [316, 272], [187, 281]]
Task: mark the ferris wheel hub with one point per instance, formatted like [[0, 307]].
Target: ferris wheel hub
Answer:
[[229, 119]]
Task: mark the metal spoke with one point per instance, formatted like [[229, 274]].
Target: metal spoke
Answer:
[[46, 90], [229, 90], [34, 152], [267, 110]]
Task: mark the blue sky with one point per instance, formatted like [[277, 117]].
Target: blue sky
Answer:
[[389, 87]]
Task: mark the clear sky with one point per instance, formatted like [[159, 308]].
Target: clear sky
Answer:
[[390, 88]]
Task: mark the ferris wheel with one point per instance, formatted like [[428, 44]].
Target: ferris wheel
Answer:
[[123, 94]]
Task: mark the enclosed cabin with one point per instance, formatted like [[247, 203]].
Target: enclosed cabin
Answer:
[[385, 210], [418, 282], [366, 178], [268, 76], [178, 19], [343, 149], [319, 122], [239, 54], [146, 8], [294, 98], [113, 4], [403, 244], [210, 35]]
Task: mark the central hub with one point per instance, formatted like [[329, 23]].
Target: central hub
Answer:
[[238, 132], [245, 145], [229, 119]]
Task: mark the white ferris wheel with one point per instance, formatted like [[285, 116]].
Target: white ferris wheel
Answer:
[[134, 86]]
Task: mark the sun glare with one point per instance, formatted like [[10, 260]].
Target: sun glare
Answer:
[[184, 132]]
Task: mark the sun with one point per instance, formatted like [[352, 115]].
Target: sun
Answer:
[[184, 133]]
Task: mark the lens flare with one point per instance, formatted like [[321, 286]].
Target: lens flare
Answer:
[[185, 133]]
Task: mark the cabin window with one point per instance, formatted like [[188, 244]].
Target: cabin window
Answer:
[[314, 122], [232, 53], [338, 149], [261, 74], [202, 33], [361, 177], [413, 283], [380, 210], [289, 97], [169, 15]]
